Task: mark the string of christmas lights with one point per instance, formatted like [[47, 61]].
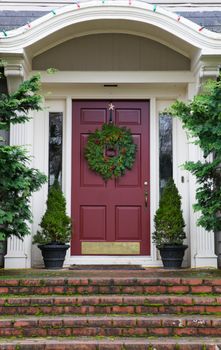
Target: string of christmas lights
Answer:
[[77, 3]]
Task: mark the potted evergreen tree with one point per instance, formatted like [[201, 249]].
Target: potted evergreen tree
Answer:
[[169, 227], [55, 229]]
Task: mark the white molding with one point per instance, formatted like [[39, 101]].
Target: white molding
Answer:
[[118, 77]]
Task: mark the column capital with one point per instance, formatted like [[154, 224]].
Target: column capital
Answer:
[[209, 71], [14, 73]]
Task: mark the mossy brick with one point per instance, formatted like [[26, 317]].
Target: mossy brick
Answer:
[[95, 300], [56, 332], [67, 332], [204, 300], [191, 281], [155, 289], [113, 300], [9, 283], [146, 309], [109, 289], [2, 301], [44, 290], [21, 290], [101, 282], [201, 289], [212, 282], [178, 289], [11, 332], [54, 281], [26, 323], [42, 301], [186, 331], [195, 309], [155, 299], [5, 324], [211, 332], [170, 282], [197, 322], [123, 323], [216, 322], [148, 322], [135, 332], [100, 322], [123, 309], [161, 332], [213, 309], [216, 289], [173, 323], [18, 301], [72, 282], [55, 323], [34, 332], [85, 289], [170, 309], [85, 332], [148, 281], [180, 300], [4, 290], [30, 283], [9, 310]]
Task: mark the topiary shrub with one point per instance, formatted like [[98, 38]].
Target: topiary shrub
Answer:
[[168, 220], [55, 224]]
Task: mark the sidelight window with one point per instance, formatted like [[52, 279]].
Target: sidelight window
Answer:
[[166, 149], [55, 147]]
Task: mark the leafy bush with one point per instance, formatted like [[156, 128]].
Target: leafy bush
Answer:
[[17, 180], [169, 222], [55, 224], [202, 119]]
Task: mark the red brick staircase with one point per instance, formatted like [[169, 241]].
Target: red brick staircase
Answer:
[[105, 313]]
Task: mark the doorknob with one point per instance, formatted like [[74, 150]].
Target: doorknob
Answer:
[[145, 194]]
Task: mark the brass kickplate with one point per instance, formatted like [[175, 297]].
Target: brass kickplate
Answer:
[[110, 248]]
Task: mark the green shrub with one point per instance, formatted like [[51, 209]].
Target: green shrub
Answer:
[[55, 224], [168, 221], [17, 179]]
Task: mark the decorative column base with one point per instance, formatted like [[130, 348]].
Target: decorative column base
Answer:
[[17, 257], [205, 261], [16, 262]]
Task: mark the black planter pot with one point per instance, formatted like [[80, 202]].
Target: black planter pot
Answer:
[[53, 255], [172, 255]]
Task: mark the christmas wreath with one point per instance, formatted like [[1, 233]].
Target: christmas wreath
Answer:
[[110, 151]]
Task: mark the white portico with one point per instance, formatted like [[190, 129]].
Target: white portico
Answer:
[[104, 51]]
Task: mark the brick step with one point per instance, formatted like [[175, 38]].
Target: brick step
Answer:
[[110, 304], [107, 326], [101, 285], [113, 344]]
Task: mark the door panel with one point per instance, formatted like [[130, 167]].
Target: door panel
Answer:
[[113, 211]]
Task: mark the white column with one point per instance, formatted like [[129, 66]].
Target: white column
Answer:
[[19, 251], [202, 241]]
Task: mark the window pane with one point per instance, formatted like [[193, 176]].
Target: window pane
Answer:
[[4, 137], [166, 151], [55, 147], [4, 134]]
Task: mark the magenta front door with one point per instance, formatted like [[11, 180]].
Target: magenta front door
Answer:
[[110, 218]]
